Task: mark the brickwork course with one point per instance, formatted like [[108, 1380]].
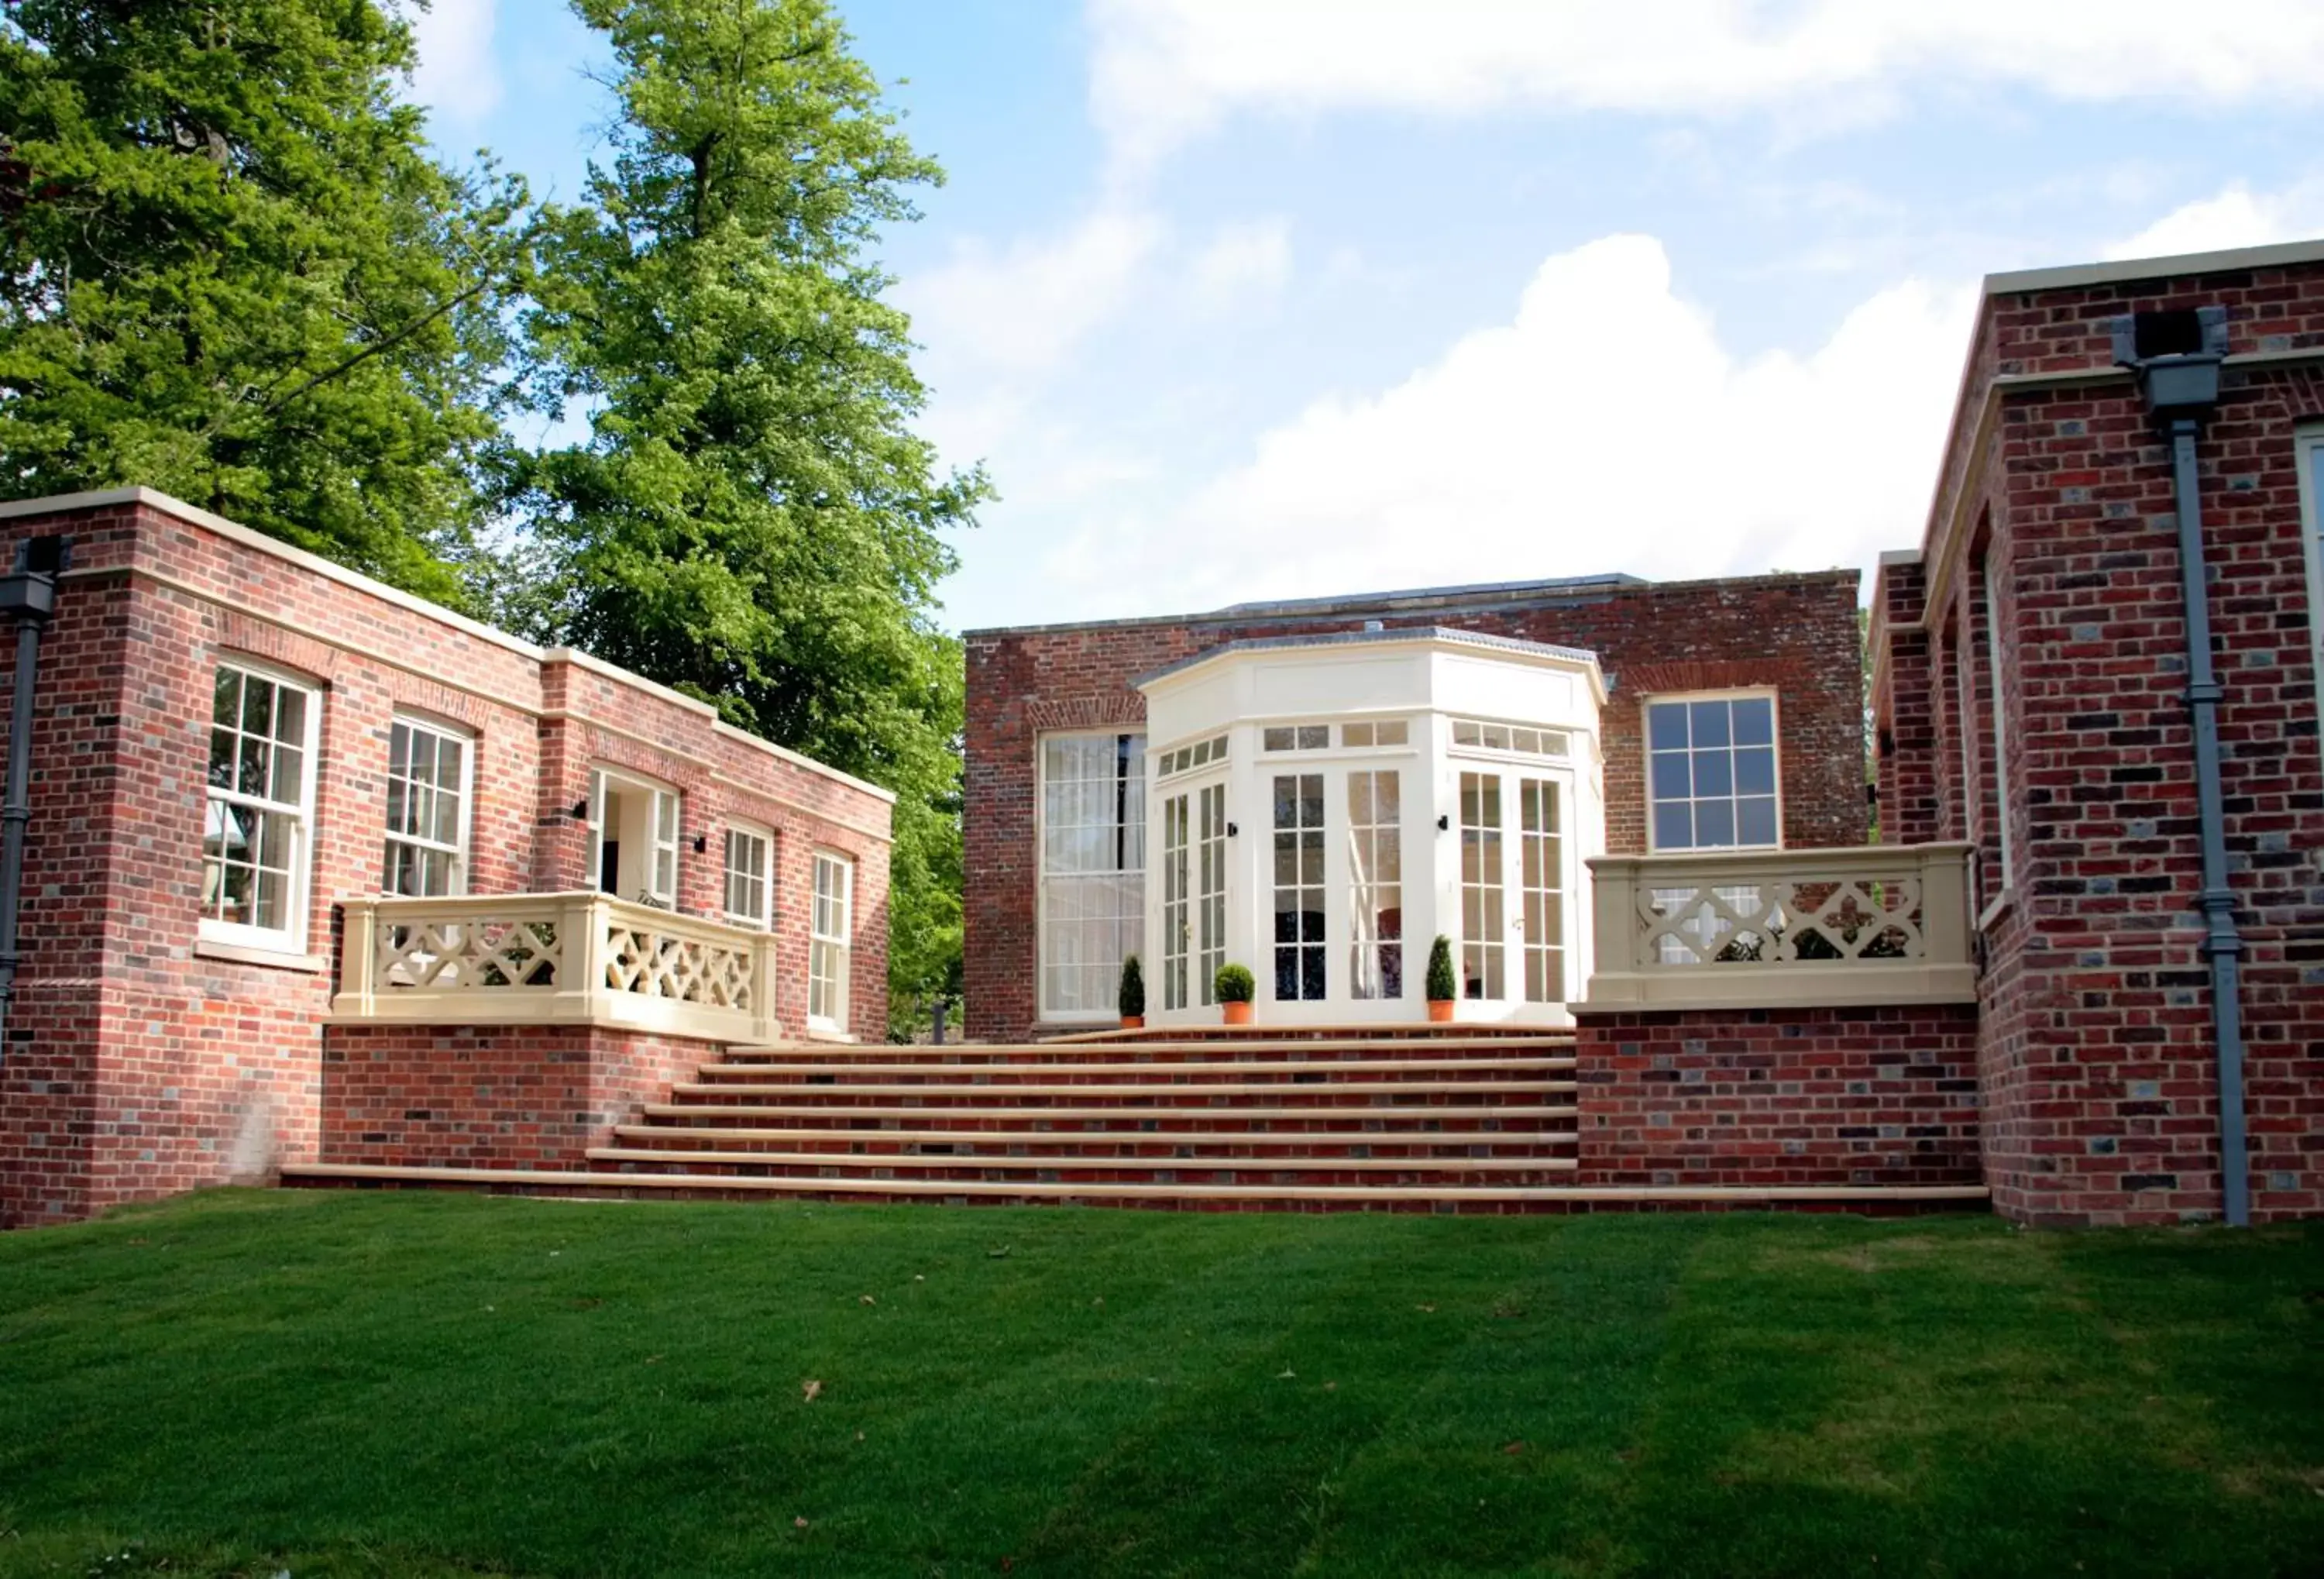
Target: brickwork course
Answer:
[[141, 1062]]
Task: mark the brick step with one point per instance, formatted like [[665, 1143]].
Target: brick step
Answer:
[[1155, 1051], [1102, 1170], [1168, 1072], [1484, 1198], [1134, 1142], [1145, 1117], [1330, 1092], [1403, 1030]]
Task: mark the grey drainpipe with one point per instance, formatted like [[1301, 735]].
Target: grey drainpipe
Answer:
[[28, 597], [2180, 381]]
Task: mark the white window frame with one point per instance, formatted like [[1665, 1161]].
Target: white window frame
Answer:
[[1646, 750], [764, 921], [1139, 782], [2308, 445], [2000, 731], [462, 835], [291, 937], [657, 847], [831, 949]]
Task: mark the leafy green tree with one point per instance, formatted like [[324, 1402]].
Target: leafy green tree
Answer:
[[230, 269], [752, 519]]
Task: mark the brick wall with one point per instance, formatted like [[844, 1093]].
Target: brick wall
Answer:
[[138, 1062], [1796, 1096], [2097, 1054], [527, 1096], [1797, 633]]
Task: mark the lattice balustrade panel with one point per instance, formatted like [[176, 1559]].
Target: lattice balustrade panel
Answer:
[[470, 954], [1783, 921], [691, 970]]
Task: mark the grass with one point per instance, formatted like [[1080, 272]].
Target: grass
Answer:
[[338, 1384]]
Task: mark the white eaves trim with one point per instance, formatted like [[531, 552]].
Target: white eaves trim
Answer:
[[245, 537]]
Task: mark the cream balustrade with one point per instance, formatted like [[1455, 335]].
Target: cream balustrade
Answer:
[[1855, 926], [554, 959]]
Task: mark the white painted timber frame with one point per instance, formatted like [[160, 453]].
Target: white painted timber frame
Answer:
[[1917, 892], [579, 958]]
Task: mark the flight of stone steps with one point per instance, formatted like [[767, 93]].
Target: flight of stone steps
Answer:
[[1471, 1119]]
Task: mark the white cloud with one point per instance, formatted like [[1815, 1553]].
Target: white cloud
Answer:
[[457, 77], [2236, 216], [1604, 428], [1243, 262], [1020, 310], [1165, 70]]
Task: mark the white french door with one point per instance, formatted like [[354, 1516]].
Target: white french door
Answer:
[[1209, 889], [1178, 933], [1514, 889]]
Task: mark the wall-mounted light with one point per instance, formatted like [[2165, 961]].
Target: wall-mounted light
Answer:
[[580, 811], [1444, 822], [1232, 830], [701, 843]]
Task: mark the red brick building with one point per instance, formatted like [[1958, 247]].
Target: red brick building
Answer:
[[2036, 678], [2040, 980], [239, 748]]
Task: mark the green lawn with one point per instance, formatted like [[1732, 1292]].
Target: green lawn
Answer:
[[343, 1384]]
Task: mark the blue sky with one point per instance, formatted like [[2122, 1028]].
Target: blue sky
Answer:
[[1278, 298]]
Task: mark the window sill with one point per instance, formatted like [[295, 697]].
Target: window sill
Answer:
[[245, 954], [1998, 907]]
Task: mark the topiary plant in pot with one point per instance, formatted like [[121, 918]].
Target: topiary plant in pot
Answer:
[[1233, 987], [1132, 998], [1443, 987]]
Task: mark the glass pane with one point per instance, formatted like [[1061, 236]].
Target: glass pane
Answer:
[[1674, 827], [1666, 726], [1714, 823], [1497, 736], [1277, 739], [290, 715], [226, 700], [1757, 824], [272, 907], [1671, 780], [290, 773], [233, 893], [222, 755], [1755, 772], [1356, 734], [251, 778], [1755, 721], [257, 705], [447, 817], [1311, 800], [1396, 733], [1359, 797], [1714, 772], [1706, 721]]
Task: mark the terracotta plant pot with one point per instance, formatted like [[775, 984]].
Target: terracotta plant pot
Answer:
[[1133, 1022], [1440, 1011], [1237, 1013]]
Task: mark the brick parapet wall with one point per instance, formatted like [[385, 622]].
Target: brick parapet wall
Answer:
[[1765, 1097], [2098, 1056], [136, 1065], [511, 1096], [1797, 633]]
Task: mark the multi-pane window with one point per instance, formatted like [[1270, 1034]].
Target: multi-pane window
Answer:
[[1185, 759], [749, 874], [1710, 773], [830, 936], [1386, 732], [259, 810], [1299, 969], [1296, 737], [426, 811], [1480, 736], [2000, 729], [1092, 868], [1484, 920], [1541, 861], [1376, 884]]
